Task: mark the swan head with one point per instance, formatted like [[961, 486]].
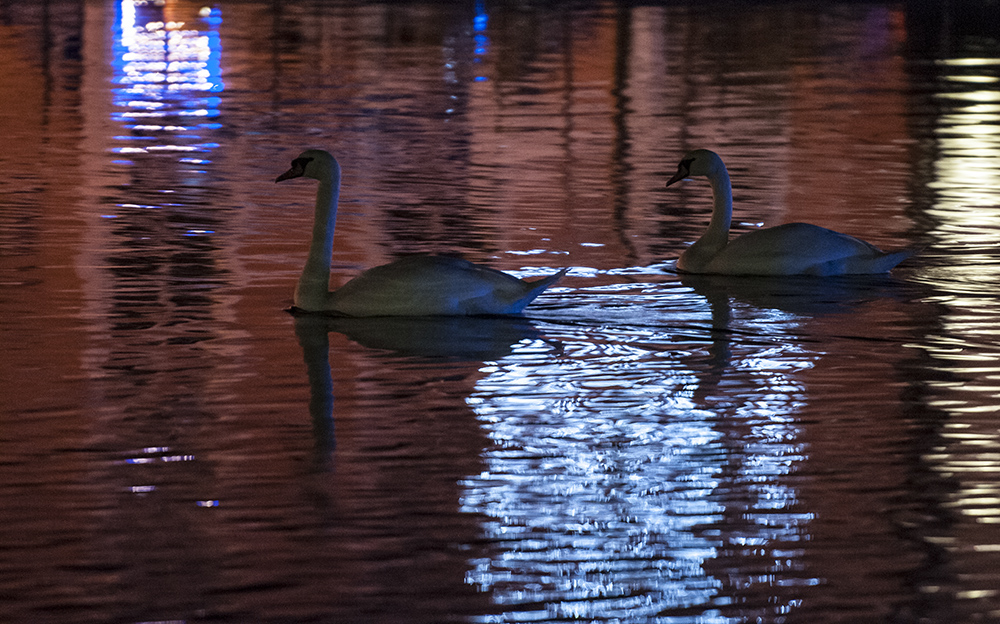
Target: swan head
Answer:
[[313, 163], [700, 162]]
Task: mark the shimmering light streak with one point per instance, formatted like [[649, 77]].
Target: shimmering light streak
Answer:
[[967, 212], [166, 69], [611, 504], [966, 348], [481, 39], [155, 455], [969, 62]]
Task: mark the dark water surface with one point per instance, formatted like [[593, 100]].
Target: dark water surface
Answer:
[[640, 447]]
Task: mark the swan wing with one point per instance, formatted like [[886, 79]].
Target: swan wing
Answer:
[[801, 249], [432, 286]]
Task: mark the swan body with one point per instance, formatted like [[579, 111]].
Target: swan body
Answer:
[[414, 286], [789, 249]]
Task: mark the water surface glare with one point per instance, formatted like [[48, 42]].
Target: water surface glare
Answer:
[[640, 446]]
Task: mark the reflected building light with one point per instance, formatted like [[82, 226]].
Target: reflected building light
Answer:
[[605, 491], [164, 70], [974, 79], [968, 62], [480, 39], [966, 214], [456, 59], [155, 455], [966, 180]]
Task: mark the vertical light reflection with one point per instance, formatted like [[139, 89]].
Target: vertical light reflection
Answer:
[[166, 73], [964, 272], [481, 39], [154, 277], [966, 213], [966, 178], [592, 502], [615, 480]]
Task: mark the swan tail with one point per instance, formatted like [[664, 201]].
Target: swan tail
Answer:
[[535, 288], [882, 263], [888, 261]]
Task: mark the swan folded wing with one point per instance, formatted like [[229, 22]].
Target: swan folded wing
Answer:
[[431, 285], [801, 249]]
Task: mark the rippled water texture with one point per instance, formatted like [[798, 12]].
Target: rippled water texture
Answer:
[[638, 447]]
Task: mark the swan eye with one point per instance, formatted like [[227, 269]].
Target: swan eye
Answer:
[[686, 164], [300, 163]]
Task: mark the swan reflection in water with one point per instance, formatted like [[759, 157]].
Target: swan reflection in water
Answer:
[[443, 338], [779, 304], [800, 295], [618, 480]]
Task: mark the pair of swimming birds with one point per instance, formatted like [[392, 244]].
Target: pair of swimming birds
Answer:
[[441, 285]]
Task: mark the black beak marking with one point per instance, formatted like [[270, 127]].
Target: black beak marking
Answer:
[[297, 171], [683, 171]]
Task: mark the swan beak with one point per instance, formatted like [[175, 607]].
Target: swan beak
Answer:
[[297, 171], [682, 172], [291, 173]]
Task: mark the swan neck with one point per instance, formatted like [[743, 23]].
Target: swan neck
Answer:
[[722, 208], [314, 284]]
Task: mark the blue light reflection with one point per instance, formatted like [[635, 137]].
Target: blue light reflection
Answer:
[[481, 39], [165, 75], [615, 489]]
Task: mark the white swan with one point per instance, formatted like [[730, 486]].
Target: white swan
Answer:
[[414, 286], [789, 249]]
